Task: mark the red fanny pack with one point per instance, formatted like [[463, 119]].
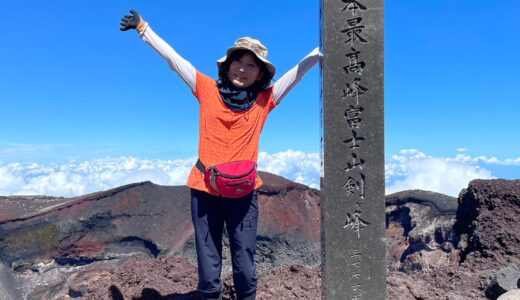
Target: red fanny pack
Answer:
[[232, 180]]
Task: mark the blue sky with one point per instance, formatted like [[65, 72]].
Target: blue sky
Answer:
[[451, 76], [75, 79], [87, 107]]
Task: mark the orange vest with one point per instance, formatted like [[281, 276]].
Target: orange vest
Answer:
[[226, 135]]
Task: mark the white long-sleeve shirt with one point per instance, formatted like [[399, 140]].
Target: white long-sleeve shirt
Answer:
[[188, 73]]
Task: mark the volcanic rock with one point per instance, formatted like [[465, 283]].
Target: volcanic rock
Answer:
[[143, 278], [484, 240], [419, 231], [99, 226], [505, 280], [125, 243], [486, 219], [293, 282], [53, 244]]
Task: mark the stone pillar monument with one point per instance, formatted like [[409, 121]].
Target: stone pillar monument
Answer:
[[353, 181]]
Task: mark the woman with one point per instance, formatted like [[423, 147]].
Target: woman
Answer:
[[233, 110]]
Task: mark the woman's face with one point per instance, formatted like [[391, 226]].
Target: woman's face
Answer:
[[244, 71]]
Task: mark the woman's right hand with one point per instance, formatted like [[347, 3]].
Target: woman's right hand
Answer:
[[131, 21]]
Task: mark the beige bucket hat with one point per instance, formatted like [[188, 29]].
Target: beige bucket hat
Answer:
[[254, 46]]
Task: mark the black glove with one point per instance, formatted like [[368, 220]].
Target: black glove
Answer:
[[130, 22]]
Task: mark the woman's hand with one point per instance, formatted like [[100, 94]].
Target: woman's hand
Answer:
[[132, 22]]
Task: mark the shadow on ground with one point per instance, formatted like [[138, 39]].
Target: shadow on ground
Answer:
[[152, 294]]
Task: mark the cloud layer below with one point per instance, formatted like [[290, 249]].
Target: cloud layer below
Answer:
[[409, 169], [412, 169]]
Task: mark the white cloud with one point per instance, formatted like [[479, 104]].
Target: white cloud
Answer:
[[412, 169], [295, 165], [79, 178], [73, 179], [408, 169], [9, 181], [487, 160]]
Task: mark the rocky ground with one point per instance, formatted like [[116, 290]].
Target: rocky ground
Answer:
[[70, 248], [438, 247], [483, 240], [176, 278]]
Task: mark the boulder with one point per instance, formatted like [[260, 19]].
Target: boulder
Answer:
[[419, 231], [511, 295], [505, 280], [488, 210]]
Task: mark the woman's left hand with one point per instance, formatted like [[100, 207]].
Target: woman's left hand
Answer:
[[131, 22]]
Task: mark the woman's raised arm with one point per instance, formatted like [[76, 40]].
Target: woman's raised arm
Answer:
[[294, 75], [176, 62]]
